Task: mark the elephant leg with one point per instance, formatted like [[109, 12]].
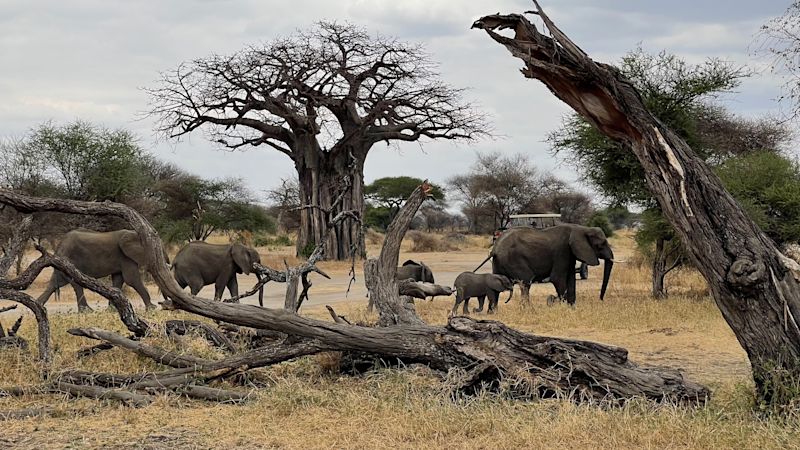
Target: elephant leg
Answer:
[[571, 294], [57, 281], [233, 287], [493, 296], [220, 285], [116, 281], [83, 305], [481, 300], [195, 286], [459, 299], [130, 274], [525, 292], [560, 283], [465, 308]]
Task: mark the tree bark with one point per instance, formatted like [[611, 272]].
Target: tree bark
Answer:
[[320, 174], [752, 286], [659, 270]]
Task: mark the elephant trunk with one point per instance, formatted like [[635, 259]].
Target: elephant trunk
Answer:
[[260, 291], [609, 263], [510, 294]]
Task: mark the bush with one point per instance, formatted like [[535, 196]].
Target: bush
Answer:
[[426, 242], [600, 220], [263, 240], [306, 251], [373, 237]]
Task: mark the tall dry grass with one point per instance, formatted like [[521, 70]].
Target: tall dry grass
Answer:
[[308, 404]]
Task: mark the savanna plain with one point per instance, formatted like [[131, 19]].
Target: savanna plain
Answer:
[[309, 403]]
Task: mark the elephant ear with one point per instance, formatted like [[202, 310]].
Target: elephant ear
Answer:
[[581, 248], [497, 283], [241, 258], [411, 262], [427, 274], [131, 247]]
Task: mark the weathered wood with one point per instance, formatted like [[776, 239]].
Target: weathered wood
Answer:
[[159, 355], [127, 397], [24, 413], [750, 282], [215, 337], [215, 394], [380, 275], [8, 308], [13, 341], [39, 313]]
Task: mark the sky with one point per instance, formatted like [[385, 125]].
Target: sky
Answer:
[[91, 60]]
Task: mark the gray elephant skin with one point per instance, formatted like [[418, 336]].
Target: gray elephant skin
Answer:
[[480, 285], [118, 254], [199, 264], [530, 255], [419, 271]]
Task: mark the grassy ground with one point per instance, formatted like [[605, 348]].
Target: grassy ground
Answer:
[[307, 404]]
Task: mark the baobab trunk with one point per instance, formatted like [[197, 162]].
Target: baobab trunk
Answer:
[[320, 175], [748, 278]]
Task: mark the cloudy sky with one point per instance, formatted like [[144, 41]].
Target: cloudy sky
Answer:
[[90, 59]]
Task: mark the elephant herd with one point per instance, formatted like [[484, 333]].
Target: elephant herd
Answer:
[[120, 255], [520, 256]]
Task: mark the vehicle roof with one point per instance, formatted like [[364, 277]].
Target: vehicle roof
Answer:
[[526, 216]]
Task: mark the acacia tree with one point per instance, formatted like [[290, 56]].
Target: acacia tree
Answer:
[[679, 95], [323, 97]]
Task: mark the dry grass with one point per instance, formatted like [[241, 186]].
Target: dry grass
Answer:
[[304, 404]]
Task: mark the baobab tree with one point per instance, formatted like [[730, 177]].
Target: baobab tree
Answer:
[[323, 97]]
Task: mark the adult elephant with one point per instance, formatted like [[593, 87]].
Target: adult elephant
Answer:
[[530, 255], [199, 264], [419, 271], [118, 254]]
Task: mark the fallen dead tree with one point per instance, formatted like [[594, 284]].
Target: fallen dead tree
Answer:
[[750, 280], [484, 352]]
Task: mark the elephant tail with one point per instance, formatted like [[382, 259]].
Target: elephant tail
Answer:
[[484, 262]]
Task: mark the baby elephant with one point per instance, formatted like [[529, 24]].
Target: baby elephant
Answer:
[[480, 285]]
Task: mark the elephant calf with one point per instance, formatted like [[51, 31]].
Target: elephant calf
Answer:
[[418, 271], [199, 264], [480, 285]]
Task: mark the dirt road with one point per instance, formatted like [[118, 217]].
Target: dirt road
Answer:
[[446, 267]]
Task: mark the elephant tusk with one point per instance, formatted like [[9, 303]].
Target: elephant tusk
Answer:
[[618, 261]]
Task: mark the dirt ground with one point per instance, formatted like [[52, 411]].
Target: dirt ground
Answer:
[[303, 404]]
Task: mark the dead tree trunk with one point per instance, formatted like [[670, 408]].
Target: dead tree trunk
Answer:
[[483, 352], [749, 281]]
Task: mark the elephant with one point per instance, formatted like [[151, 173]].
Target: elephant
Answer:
[[530, 255], [480, 285], [419, 271], [199, 264], [118, 254]]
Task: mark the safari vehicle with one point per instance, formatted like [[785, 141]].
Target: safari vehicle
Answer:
[[540, 222]]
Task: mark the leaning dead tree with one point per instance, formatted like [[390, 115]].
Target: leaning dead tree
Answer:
[[749, 278], [478, 354], [323, 97]]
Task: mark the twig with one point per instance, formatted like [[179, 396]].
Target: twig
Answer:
[[337, 318]]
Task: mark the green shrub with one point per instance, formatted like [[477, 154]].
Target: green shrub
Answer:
[[263, 240], [600, 220]]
